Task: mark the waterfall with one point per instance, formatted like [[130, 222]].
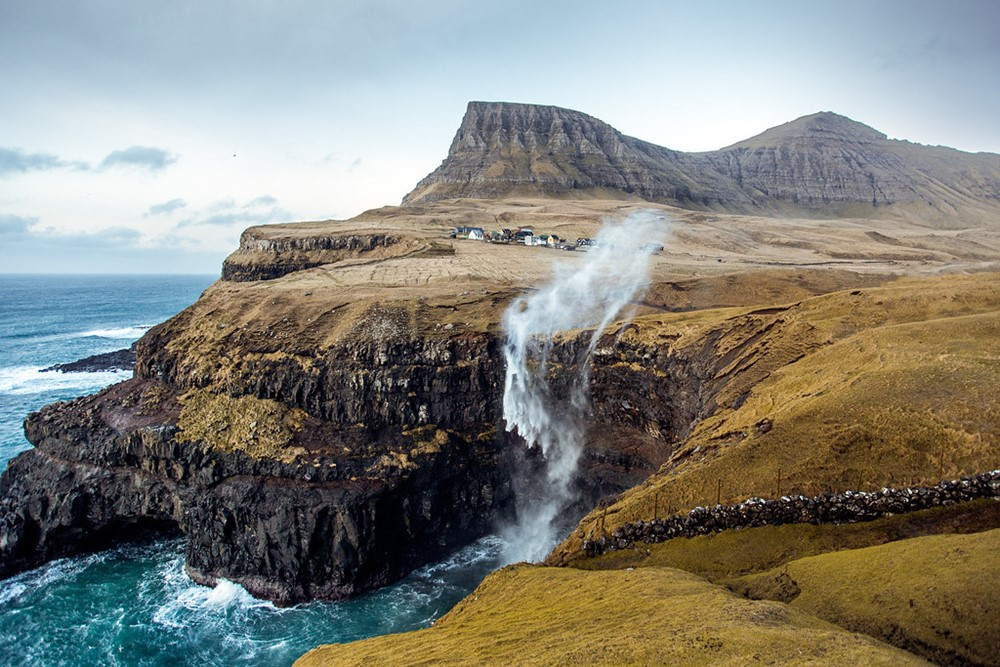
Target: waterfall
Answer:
[[591, 292]]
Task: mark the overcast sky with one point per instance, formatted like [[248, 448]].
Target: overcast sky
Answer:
[[140, 136]]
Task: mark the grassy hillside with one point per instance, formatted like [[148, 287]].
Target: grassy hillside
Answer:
[[936, 596], [883, 386], [530, 615]]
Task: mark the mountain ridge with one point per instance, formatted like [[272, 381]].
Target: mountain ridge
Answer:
[[819, 165]]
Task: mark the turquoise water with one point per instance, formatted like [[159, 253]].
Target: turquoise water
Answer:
[[134, 605]]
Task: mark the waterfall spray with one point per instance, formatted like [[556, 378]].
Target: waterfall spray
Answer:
[[590, 293]]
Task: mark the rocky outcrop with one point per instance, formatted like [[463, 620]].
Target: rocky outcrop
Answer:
[[316, 526], [118, 360], [822, 164], [261, 257]]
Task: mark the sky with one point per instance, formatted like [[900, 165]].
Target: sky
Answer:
[[143, 137]]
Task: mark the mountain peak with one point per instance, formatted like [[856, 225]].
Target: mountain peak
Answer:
[[822, 126], [821, 164]]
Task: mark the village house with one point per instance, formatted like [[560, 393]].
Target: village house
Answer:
[[472, 233]]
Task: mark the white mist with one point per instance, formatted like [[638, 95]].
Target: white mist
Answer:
[[589, 293]]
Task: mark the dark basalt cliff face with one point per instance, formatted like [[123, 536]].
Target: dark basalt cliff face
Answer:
[[823, 164], [259, 258], [330, 471]]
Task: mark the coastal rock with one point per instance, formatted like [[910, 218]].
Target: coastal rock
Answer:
[[288, 531], [118, 360], [260, 258], [336, 469]]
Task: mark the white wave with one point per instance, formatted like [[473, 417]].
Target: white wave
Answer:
[[186, 600], [115, 333], [484, 549], [22, 380], [40, 578], [122, 333]]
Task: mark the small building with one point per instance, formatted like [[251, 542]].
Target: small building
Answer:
[[553, 241], [473, 233]]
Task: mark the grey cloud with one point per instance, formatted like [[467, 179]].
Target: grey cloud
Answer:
[[113, 249], [119, 236], [11, 225], [258, 211], [18, 235], [244, 218], [143, 157], [166, 207], [15, 161], [265, 200], [109, 236]]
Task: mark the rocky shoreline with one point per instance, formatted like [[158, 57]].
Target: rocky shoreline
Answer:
[[117, 360], [846, 507]]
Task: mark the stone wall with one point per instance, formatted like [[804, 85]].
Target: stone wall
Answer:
[[846, 507]]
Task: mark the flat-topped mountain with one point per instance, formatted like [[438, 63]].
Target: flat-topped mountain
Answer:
[[822, 165]]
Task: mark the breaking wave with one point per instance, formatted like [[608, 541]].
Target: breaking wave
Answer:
[[24, 380]]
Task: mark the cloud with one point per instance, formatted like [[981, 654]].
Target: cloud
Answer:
[[258, 211], [16, 161], [113, 236], [143, 157], [244, 218], [13, 225], [108, 236], [264, 200], [112, 249], [166, 207]]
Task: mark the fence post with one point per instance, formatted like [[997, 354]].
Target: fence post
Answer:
[[656, 505], [778, 488]]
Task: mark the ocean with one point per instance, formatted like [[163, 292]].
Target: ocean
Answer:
[[133, 605]]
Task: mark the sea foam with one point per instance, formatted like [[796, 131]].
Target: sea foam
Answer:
[[23, 380]]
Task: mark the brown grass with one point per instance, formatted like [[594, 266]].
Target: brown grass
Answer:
[[261, 428], [937, 596], [894, 387], [529, 615]]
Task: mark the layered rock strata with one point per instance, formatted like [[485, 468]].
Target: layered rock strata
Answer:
[[823, 164], [266, 258]]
